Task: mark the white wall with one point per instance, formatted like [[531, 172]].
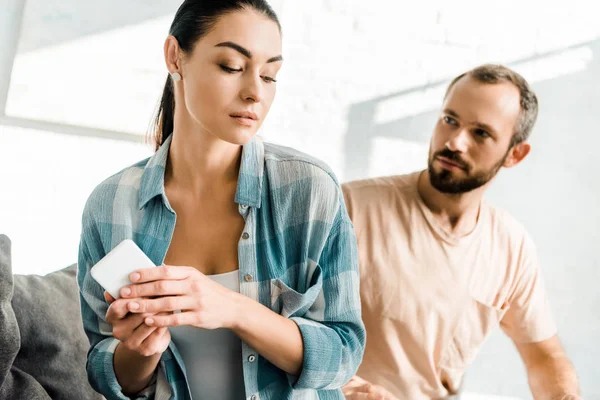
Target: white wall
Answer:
[[359, 88]]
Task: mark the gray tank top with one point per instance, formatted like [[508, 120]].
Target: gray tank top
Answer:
[[212, 358]]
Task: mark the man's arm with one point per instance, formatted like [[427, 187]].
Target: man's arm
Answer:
[[359, 389], [551, 374]]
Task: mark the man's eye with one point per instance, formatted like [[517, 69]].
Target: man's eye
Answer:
[[450, 121], [481, 133]]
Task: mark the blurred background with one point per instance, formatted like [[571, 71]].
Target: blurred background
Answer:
[[360, 88]]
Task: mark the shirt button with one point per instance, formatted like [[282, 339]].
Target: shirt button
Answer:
[[253, 397], [244, 206], [245, 235], [252, 358], [248, 278]]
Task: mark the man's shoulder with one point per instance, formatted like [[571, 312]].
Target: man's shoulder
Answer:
[[508, 231], [374, 197], [504, 221], [373, 188]]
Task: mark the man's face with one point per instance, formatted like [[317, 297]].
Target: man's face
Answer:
[[472, 137]]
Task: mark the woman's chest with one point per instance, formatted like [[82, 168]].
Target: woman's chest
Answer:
[[206, 238]]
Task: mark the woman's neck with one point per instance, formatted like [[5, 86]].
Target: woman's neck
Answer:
[[199, 161]]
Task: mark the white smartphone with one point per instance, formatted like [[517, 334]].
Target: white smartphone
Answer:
[[112, 272]]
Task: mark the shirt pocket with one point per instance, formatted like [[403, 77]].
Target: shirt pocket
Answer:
[[289, 302], [475, 324]]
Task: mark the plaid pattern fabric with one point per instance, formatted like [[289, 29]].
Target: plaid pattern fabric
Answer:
[[297, 256]]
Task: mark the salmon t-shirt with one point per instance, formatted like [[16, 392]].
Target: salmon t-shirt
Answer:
[[430, 299]]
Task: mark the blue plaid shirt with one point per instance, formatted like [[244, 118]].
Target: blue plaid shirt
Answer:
[[298, 258]]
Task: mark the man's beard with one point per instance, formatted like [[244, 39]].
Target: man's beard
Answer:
[[445, 182]]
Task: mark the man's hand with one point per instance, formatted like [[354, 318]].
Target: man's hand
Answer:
[[359, 389]]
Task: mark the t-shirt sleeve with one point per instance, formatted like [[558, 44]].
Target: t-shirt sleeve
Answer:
[[529, 318]]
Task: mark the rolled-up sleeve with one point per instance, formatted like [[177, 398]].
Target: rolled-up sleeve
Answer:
[[100, 367], [332, 329]]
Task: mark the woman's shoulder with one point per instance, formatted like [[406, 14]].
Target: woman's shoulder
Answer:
[[291, 164], [302, 184], [122, 188]]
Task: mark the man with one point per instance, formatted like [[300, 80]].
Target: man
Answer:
[[441, 267]]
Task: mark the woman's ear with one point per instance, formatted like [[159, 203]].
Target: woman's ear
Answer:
[[172, 55]]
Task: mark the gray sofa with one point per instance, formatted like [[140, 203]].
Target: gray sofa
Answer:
[[42, 344]]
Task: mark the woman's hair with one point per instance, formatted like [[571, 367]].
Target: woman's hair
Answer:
[[193, 20]]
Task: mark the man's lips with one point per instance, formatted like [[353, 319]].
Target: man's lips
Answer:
[[449, 163]]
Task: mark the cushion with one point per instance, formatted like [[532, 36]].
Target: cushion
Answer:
[[14, 382], [53, 345]]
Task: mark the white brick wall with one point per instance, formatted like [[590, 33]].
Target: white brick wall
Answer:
[[339, 53], [46, 179], [359, 85]]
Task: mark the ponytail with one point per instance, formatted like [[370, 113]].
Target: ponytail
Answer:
[[163, 122]]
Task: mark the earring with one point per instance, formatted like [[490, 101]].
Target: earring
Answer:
[[176, 76]]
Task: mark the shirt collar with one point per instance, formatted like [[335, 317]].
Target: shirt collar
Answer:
[[250, 179]]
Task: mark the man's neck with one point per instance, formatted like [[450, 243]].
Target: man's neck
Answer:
[[456, 213]]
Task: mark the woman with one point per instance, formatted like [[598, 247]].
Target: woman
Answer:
[[256, 293]]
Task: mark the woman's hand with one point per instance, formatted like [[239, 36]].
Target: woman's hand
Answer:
[[206, 304], [130, 329], [162, 290]]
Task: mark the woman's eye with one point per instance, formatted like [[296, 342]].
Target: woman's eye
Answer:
[[268, 79], [229, 70]]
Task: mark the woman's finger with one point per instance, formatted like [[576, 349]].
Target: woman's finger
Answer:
[[117, 310], [156, 288], [138, 336], [108, 298], [178, 319], [163, 304], [164, 272], [157, 342]]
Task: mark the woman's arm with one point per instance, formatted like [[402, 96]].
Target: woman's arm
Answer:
[[211, 306], [274, 337], [134, 371], [111, 369], [138, 352]]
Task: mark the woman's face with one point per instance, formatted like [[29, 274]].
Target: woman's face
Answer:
[[228, 80]]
